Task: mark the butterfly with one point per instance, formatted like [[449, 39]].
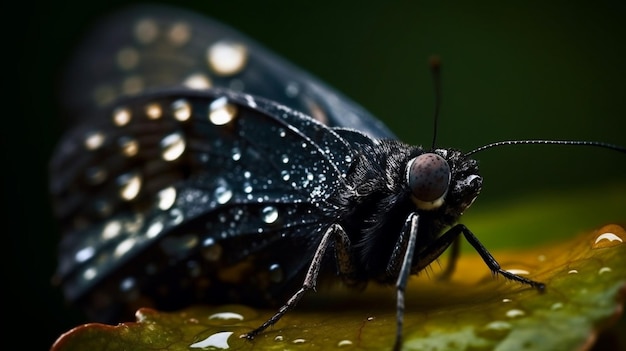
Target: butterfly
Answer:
[[201, 167]]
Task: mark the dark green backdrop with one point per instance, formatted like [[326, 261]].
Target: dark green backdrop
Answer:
[[512, 70]]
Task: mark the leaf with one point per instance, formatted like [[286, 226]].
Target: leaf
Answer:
[[586, 289]]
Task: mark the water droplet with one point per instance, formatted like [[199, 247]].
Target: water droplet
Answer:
[[276, 273], [236, 154], [221, 112], [292, 89], [247, 174], [179, 33], [94, 140], [121, 116], [182, 110], [84, 254], [154, 229], [127, 284], [344, 343], [198, 81], [299, 341], [604, 270], [111, 230], [227, 58], [572, 271], [226, 316], [176, 216], [247, 188], [166, 198], [146, 31], [124, 247], [499, 325], [556, 306], [217, 340], [222, 217], [348, 158], [250, 101], [269, 214], [607, 240], [90, 273], [514, 313], [129, 146], [284, 175], [278, 338], [130, 185], [506, 300], [211, 251], [284, 159], [495, 330], [281, 133], [153, 111], [173, 146], [223, 194]]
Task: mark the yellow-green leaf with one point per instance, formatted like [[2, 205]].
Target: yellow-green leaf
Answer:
[[586, 288]]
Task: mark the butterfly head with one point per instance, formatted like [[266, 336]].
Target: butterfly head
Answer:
[[443, 178]]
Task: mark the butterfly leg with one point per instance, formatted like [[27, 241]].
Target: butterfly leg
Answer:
[[310, 281], [345, 261], [397, 255], [436, 248], [407, 245]]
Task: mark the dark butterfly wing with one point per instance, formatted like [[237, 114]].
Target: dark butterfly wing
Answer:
[[151, 47], [184, 195]]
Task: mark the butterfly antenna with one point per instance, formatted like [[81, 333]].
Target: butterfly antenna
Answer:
[[600, 144], [435, 69]]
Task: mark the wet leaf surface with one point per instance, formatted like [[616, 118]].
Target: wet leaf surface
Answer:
[[586, 289]]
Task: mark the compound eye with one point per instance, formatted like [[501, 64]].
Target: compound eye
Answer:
[[428, 176]]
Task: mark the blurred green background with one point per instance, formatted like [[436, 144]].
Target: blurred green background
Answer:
[[511, 70]]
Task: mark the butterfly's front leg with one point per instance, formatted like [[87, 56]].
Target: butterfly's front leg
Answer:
[[437, 247], [346, 264], [400, 263], [334, 232]]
